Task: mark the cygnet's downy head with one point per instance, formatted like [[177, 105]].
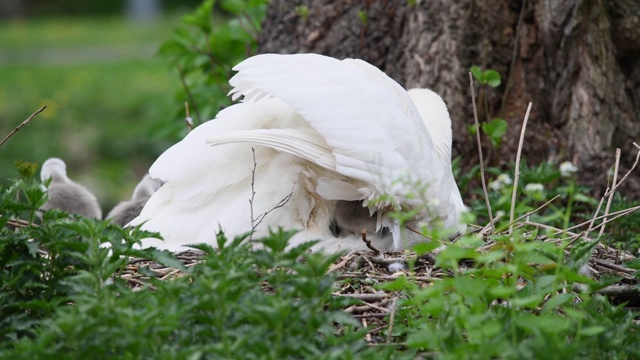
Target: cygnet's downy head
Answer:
[[126, 211], [54, 169], [147, 187], [66, 195]]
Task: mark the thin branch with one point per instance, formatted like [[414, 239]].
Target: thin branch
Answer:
[[529, 213], [484, 183], [613, 185], [516, 175], [394, 304], [22, 124], [254, 31], [183, 80], [255, 222], [628, 172], [368, 242], [188, 120]]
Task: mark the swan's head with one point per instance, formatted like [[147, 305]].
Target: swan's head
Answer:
[[435, 116], [53, 168]]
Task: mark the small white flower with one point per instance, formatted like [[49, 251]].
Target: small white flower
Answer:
[[532, 188], [500, 182], [495, 185], [567, 169], [505, 179]]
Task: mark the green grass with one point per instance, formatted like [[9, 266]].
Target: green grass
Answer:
[[109, 98], [81, 32]]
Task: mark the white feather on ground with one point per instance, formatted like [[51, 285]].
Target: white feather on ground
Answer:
[[325, 132], [65, 194]]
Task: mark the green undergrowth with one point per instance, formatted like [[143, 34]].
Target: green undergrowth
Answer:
[[60, 295]]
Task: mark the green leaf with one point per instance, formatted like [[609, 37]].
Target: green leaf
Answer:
[[166, 258], [593, 330], [633, 264], [477, 73], [492, 78], [557, 300], [398, 284], [425, 247], [495, 130]]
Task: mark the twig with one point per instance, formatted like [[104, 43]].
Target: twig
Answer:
[[613, 185], [189, 94], [391, 318], [516, 175], [620, 290], [484, 183], [255, 222], [22, 124], [364, 297], [188, 120], [628, 172], [529, 213], [617, 214], [368, 242], [611, 190]]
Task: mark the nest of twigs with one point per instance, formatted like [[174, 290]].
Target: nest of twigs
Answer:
[[359, 271]]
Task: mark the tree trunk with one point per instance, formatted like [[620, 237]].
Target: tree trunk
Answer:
[[578, 62]]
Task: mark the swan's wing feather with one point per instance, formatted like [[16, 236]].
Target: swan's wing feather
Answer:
[[367, 118]]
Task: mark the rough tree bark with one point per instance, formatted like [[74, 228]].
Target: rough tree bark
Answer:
[[578, 61]]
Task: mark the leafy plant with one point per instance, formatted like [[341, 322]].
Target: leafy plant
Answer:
[[495, 130], [518, 299], [204, 49], [486, 77], [46, 264], [60, 295]]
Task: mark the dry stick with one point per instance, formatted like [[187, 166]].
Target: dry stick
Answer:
[[613, 185], [188, 120], [618, 213], [533, 211], [255, 222], [391, 319], [613, 216], [611, 190], [484, 183], [188, 91], [21, 125], [516, 176], [368, 242]]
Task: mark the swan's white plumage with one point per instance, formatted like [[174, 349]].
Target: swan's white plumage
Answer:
[[323, 130]]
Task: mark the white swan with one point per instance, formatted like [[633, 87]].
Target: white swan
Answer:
[[128, 210], [343, 142], [65, 194]]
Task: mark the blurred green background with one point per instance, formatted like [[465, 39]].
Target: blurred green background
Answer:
[[111, 101]]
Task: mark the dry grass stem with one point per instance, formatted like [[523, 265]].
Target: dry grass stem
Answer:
[[394, 305], [484, 182], [368, 242], [17, 128], [188, 120], [256, 221], [516, 175], [613, 185], [183, 81]]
